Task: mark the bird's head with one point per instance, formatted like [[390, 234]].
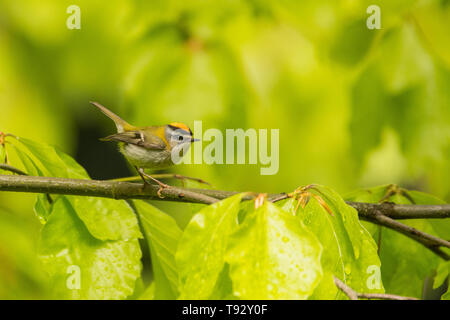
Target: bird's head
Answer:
[[178, 134]]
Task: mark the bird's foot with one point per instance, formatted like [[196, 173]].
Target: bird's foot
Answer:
[[162, 186], [145, 175]]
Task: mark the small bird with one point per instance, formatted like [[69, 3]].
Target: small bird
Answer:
[[149, 147]]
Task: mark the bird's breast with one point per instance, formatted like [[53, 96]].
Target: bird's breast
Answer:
[[146, 158]]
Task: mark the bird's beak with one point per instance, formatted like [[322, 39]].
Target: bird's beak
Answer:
[[193, 140]]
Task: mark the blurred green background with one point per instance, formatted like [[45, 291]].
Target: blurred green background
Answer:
[[355, 107]]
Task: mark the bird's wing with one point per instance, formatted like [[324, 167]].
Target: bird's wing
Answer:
[[137, 138]]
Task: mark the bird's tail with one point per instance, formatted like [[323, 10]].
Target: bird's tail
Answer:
[[121, 124]]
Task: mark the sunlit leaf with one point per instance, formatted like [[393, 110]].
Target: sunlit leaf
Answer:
[[200, 254], [346, 214], [349, 252], [81, 266], [273, 256], [42, 206], [149, 293], [223, 288], [162, 234], [55, 162], [106, 219], [405, 262], [442, 273]]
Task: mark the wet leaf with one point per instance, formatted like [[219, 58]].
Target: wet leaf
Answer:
[[81, 266], [200, 254], [405, 262], [162, 234], [106, 219], [349, 251], [273, 256]]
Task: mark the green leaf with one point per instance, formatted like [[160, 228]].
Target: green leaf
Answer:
[[162, 234], [440, 226], [223, 289], [200, 254], [273, 256], [443, 269], [42, 206], [442, 273], [106, 269], [446, 296], [106, 219], [405, 262], [349, 251], [345, 214], [149, 293], [54, 161]]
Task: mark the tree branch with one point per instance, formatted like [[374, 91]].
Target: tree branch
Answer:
[[382, 214], [105, 189], [404, 211], [353, 295], [429, 241]]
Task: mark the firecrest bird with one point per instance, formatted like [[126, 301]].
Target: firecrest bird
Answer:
[[148, 147]]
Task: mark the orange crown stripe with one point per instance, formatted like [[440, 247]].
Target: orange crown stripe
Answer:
[[180, 126]]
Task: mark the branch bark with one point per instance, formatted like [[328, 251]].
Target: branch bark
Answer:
[[383, 214], [429, 241], [105, 189], [404, 211]]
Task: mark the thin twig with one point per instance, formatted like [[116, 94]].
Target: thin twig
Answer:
[[7, 167], [280, 197], [431, 242], [349, 292], [384, 296], [353, 295]]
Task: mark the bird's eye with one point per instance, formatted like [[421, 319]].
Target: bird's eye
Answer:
[[180, 138]]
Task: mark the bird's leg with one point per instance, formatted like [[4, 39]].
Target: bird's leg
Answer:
[[145, 175], [142, 176]]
